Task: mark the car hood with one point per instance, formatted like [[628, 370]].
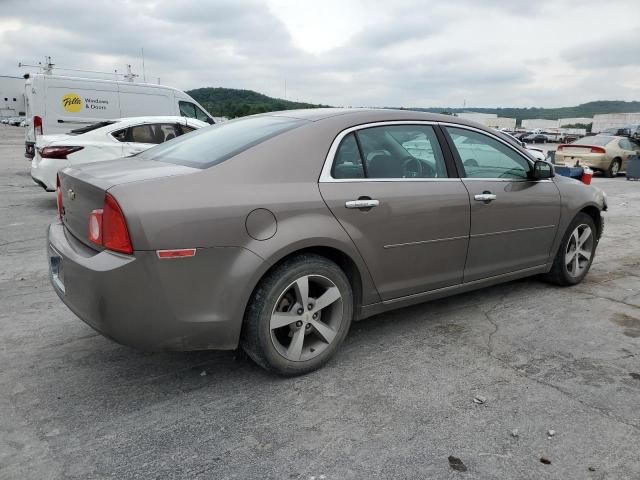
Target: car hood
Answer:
[[126, 170]]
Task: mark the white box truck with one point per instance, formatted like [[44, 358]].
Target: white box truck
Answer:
[[58, 104]]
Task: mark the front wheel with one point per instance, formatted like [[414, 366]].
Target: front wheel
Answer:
[[576, 252], [298, 316]]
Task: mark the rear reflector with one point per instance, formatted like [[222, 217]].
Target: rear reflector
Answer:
[[179, 253], [58, 152]]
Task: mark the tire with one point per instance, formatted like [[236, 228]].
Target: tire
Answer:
[[565, 272], [613, 169], [276, 323]]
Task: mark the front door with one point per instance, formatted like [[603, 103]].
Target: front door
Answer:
[[514, 220], [389, 188]]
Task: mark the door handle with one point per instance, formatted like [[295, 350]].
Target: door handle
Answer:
[[485, 197], [362, 203]]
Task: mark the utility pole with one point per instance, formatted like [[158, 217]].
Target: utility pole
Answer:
[[144, 75], [285, 89]]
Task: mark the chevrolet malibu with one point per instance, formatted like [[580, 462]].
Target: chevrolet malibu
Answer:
[[274, 232]]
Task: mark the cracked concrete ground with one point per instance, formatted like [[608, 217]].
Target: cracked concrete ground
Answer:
[[396, 402]]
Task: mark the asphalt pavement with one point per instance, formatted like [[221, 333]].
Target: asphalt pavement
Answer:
[[396, 402]]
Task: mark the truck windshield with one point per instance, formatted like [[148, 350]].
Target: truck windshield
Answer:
[[213, 145], [89, 128]]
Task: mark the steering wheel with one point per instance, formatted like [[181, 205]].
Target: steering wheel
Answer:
[[421, 170]]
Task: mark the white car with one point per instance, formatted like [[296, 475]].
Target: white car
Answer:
[[103, 141]]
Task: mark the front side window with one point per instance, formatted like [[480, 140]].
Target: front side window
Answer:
[[485, 157], [388, 152], [190, 110]]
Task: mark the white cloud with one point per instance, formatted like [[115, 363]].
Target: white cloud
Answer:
[[361, 52]]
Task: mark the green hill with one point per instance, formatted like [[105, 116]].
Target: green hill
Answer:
[[585, 110], [231, 102]]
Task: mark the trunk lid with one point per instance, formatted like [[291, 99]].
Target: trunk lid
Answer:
[[83, 189], [577, 150]]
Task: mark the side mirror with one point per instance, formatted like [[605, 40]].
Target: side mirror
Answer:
[[542, 170], [210, 121]]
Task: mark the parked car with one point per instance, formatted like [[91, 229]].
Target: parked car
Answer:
[[275, 231], [15, 121], [634, 133], [56, 103], [535, 152], [618, 131], [602, 153], [103, 141], [5, 121], [536, 138]]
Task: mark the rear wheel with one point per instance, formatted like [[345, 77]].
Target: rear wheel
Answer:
[[614, 168], [298, 316], [576, 252]]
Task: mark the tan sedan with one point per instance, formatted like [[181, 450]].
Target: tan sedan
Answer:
[[603, 153]]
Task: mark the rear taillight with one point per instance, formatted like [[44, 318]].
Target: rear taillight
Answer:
[[59, 197], [598, 150], [37, 125], [108, 227], [58, 152]]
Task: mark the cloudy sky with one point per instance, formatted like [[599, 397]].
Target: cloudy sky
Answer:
[[346, 52]]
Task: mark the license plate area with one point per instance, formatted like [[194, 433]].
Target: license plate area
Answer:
[[56, 269]]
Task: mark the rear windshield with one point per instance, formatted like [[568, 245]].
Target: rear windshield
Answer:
[[598, 140], [88, 128], [213, 145]]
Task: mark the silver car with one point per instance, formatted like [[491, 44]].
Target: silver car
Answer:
[[276, 231]]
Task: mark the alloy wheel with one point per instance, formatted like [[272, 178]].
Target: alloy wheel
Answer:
[[306, 318], [615, 168], [579, 250]]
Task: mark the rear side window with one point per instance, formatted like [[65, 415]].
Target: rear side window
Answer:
[[625, 144], [347, 162], [154, 133], [213, 145]]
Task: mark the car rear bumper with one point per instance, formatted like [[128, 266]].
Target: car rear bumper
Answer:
[[593, 161], [44, 171], [139, 300]]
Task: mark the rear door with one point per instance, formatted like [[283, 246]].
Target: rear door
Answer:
[[389, 187], [626, 150], [514, 220]]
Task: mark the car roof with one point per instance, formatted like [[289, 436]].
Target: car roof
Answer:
[[358, 116], [154, 119]]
